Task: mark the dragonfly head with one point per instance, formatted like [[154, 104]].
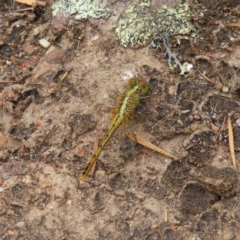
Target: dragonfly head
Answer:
[[140, 83]]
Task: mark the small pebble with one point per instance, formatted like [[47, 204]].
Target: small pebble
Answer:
[[185, 111], [36, 31], [95, 38], [19, 224], [193, 127], [225, 89], [238, 122], [27, 179], [214, 128], [44, 43]]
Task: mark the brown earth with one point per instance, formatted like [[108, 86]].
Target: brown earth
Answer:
[[49, 124]]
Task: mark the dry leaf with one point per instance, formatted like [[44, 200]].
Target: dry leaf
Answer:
[[3, 141]]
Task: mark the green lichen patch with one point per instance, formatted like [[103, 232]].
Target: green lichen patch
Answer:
[[139, 22], [83, 9]]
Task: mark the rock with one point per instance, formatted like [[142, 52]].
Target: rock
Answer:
[[44, 43], [222, 181], [195, 199]]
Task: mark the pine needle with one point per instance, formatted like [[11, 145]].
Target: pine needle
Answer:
[[231, 143], [150, 145], [219, 132], [206, 78], [64, 75], [165, 215]]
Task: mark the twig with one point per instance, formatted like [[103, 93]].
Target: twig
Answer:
[[10, 81], [42, 3], [165, 215], [151, 146], [231, 143], [64, 75], [32, 2], [233, 25], [24, 9], [220, 130], [206, 78], [3, 82]]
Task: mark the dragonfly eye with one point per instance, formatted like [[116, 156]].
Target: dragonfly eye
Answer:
[[133, 82], [142, 85], [144, 89]]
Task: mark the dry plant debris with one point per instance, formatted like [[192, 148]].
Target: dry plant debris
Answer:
[[150, 146], [231, 143]]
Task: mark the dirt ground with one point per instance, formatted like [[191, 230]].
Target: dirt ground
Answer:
[[55, 106]]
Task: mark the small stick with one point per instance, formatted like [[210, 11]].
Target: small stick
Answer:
[[42, 3], [206, 78], [10, 81], [220, 130], [3, 82], [32, 2], [231, 143], [25, 9], [151, 146], [64, 75], [165, 215], [233, 25]]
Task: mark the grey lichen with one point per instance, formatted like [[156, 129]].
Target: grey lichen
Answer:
[[83, 9], [164, 38], [140, 22]]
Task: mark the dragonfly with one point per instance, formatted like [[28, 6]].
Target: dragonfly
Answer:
[[127, 102]]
